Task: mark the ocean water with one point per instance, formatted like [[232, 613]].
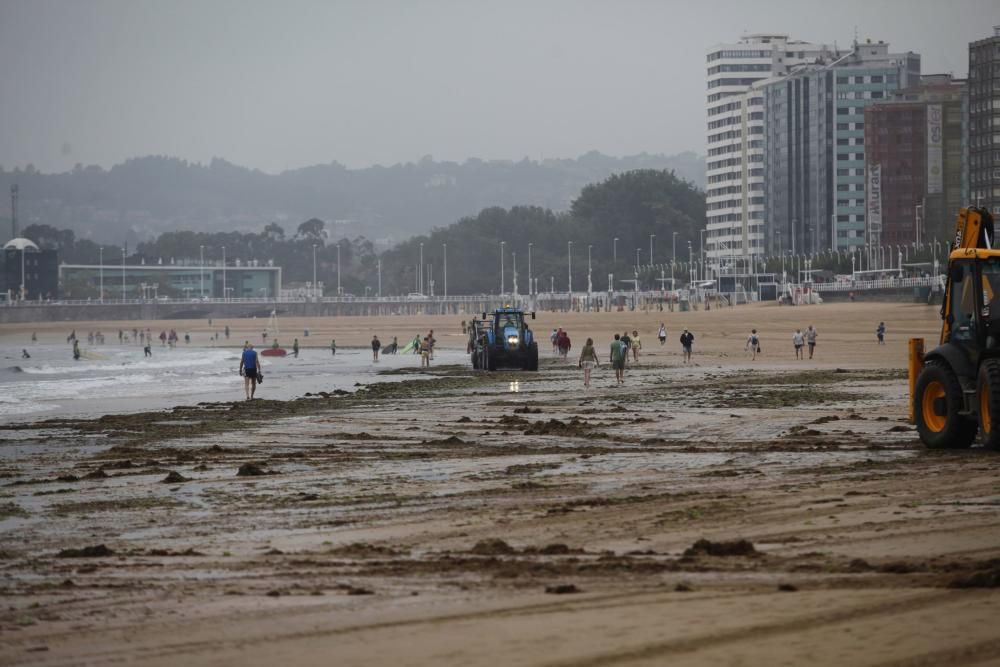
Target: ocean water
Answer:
[[118, 378]]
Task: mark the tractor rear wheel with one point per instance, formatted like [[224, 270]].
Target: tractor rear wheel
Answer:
[[531, 363], [936, 405], [988, 391]]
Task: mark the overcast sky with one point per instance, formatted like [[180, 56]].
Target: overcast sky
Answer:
[[278, 85]]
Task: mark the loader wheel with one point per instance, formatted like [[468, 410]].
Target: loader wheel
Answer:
[[475, 360], [936, 405], [489, 361], [988, 388]]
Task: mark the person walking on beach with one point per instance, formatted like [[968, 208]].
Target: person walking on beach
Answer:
[[554, 337], [425, 353], [617, 358], [564, 344], [295, 348], [811, 340], [662, 335], [333, 347], [753, 344], [76, 350], [376, 346], [430, 344], [249, 369], [798, 340], [880, 332], [636, 346], [227, 332], [147, 350], [687, 340], [588, 361]]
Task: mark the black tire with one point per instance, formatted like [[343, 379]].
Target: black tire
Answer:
[[475, 359], [937, 402], [531, 362], [490, 361], [988, 402]]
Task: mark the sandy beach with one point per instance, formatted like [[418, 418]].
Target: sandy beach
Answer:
[[727, 512]]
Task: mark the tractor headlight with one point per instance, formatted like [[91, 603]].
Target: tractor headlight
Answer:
[[512, 340]]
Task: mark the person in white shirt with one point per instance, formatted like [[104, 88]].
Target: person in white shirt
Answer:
[[798, 340]]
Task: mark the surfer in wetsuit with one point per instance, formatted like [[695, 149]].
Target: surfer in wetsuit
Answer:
[[248, 369], [25, 355], [76, 350]]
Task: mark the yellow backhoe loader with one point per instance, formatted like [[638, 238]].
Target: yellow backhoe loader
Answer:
[[955, 388]]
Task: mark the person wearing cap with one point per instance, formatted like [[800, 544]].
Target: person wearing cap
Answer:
[[687, 340]]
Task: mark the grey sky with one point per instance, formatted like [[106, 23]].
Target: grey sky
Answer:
[[278, 85]]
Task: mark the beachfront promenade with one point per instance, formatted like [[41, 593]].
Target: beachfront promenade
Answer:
[[155, 309]]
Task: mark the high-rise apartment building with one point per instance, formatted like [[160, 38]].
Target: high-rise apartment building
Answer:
[[735, 225], [984, 122], [814, 146], [915, 144]]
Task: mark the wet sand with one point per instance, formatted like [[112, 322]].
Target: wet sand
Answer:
[[728, 512]]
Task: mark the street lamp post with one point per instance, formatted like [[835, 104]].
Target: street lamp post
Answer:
[[531, 289], [651, 237], [123, 275], [102, 273], [614, 252], [201, 270], [380, 278], [569, 267], [702, 253], [513, 259], [420, 272], [225, 292], [673, 259], [314, 269], [503, 244], [338, 269], [444, 250], [590, 284]]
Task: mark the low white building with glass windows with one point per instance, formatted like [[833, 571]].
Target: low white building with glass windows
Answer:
[[175, 281]]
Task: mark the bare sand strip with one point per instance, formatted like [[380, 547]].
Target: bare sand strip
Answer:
[[732, 512]]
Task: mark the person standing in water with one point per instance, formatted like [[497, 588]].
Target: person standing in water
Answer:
[[333, 347], [295, 348], [376, 346], [588, 361], [425, 352], [76, 350], [249, 369]]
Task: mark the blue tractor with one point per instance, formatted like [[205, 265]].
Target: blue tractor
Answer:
[[503, 340]]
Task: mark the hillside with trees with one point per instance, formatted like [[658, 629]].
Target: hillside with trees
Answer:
[[149, 196], [628, 206]]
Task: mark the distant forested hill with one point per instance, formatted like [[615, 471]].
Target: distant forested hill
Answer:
[[145, 197]]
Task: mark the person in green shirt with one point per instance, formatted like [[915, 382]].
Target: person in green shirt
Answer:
[[618, 359]]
